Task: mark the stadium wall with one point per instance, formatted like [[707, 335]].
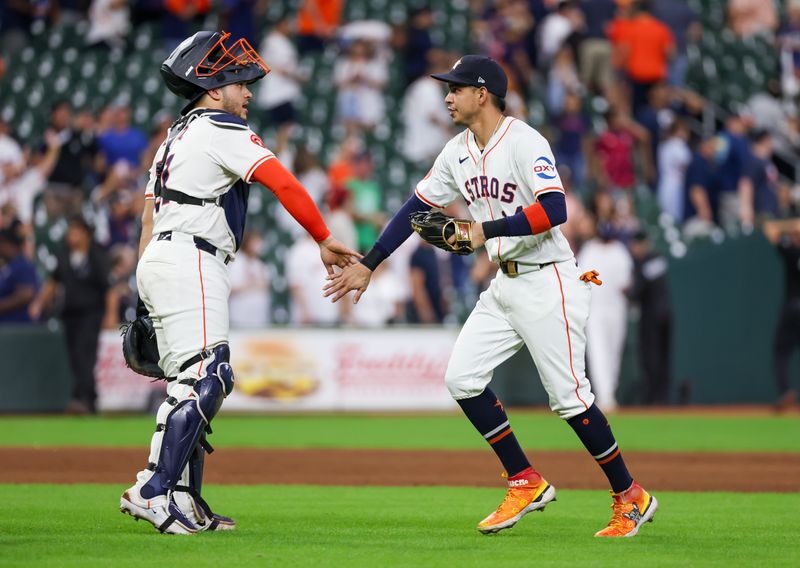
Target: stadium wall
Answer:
[[726, 300]]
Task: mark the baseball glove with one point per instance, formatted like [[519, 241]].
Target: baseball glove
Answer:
[[139, 345], [447, 233]]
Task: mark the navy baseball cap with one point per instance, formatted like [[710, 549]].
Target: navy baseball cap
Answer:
[[477, 71]]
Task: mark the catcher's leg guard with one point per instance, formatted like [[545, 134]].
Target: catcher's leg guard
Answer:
[[185, 422], [197, 462], [187, 493]]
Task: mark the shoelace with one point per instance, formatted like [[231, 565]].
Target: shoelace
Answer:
[[509, 494], [618, 518]]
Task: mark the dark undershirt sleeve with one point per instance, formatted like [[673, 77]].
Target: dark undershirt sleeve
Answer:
[[395, 233], [554, 205]]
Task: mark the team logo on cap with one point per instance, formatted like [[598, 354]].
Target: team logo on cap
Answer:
[[544, 168]]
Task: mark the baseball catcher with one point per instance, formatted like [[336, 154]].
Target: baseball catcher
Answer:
[[192, 225]]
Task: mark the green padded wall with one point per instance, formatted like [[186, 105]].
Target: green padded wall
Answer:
[[36, 375]]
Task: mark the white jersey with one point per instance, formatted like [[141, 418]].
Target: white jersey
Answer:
[[514, 169], [215, 154]]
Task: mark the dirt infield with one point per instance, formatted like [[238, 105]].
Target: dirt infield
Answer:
[[681, 471]]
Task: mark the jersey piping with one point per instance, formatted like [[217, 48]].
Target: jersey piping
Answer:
[[489, 201]]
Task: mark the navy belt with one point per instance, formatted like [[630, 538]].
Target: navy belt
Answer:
[[199, 242]]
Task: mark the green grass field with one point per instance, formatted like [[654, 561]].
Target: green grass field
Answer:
[[79, 525], [48, 525], [539, 430]]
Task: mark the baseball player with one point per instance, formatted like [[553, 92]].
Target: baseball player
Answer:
[[506, 172], [192, 224]]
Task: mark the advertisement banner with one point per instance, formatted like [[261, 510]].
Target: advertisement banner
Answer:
[[308, 369], [118, 388]]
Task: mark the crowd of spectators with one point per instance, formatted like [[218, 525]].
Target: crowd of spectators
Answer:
[[610, 74]]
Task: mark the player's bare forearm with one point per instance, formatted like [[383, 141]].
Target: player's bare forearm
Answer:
[[147, 225], [354, 277]]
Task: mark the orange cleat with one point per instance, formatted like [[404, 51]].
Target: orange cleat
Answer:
[[630, 510], [527, 491]]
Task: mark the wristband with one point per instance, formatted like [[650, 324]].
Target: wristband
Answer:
[[373, 258]]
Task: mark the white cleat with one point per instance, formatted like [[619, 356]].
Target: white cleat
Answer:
[[160, 511], [194, 511]]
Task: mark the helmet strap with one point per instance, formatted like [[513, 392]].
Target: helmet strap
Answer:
[[193, 101]]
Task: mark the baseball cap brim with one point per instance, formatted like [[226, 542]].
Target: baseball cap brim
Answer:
[[458, 80], [453, 78]]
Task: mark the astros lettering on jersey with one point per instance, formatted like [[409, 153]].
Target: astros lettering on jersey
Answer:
[[515, 168]]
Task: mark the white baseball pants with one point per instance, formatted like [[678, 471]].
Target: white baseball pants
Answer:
[[547, 310], [186, 291]]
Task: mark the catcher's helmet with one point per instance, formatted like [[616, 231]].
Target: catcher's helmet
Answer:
[[204, 62]]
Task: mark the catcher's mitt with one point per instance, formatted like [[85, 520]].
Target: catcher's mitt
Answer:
[[438, 229], [140, 347]]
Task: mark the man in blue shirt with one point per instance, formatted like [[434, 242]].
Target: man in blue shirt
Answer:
[[122, 142], [18, 280], [733, 154], [758, 188], [702, 183]]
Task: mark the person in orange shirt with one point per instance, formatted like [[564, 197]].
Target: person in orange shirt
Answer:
[[342, 170], [642, 48], [179, 17], [317, 22], [187, 8]]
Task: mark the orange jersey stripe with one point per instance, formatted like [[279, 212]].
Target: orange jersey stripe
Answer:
[[496, 143], [488, 202], [255, 166], [431, 203], [554, 188], [466, 139]]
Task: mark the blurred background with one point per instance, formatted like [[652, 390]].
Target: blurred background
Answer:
[[675, 127]]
